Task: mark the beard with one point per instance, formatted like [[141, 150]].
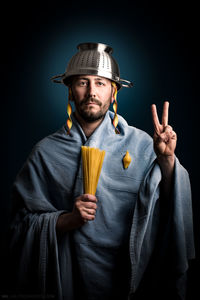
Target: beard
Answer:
[[87, 113]]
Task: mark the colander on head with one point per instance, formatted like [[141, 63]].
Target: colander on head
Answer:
[[93, 59]]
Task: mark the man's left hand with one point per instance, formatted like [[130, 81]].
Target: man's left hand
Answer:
[[164, 136]]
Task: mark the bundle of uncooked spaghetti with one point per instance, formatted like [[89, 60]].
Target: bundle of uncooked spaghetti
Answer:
[[92, 161]]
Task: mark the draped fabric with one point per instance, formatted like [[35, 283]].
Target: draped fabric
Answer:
[[129, 213]]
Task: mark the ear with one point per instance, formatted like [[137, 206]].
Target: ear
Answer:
[[70, 93]]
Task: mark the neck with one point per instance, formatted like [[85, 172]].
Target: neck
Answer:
[[88, 127]]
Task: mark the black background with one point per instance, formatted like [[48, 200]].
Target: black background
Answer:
[[156, 43]]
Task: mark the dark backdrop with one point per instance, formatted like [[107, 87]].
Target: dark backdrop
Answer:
[[155, 45]]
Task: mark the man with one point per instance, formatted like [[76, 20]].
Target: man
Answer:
[[71, 245]]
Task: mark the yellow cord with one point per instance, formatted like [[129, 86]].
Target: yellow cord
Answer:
[[115, 119], [69, 111]]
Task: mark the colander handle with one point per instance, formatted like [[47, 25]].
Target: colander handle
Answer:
[[128, 85], [57, 76]]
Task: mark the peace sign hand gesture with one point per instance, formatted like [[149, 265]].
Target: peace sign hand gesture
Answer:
[[164, 136]]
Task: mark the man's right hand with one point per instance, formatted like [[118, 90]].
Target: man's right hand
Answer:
[[84, 210]]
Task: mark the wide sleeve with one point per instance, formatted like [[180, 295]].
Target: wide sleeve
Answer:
[[35, 252], [162, 242]]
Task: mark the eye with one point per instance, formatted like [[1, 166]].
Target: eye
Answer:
[[82, 83], [100, 83]]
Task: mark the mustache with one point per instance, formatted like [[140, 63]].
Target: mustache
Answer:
[[91, 99]]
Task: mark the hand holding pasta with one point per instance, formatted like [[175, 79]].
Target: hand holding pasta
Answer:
[[84, 208]]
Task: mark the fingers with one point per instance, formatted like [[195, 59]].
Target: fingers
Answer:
[[169, 131], [165, 113], [85, 207], [88, 214], [88, 198], [90, 211], [156, 123], [90, 205], [173, 135], [168, 128], [155, 119], [165, 136]]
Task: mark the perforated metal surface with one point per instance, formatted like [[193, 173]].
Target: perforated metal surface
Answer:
[[93, 59]]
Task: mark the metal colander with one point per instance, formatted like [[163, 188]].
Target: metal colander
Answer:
[[93, 59]]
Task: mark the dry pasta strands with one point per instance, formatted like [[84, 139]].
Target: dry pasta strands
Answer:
[[92, 161]]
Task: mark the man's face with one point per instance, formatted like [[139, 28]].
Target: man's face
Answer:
[[92, 96]]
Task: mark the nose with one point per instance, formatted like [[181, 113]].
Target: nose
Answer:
[[91, 91]]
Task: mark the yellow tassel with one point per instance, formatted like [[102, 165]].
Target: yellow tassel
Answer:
[[126, 160], [69, 111], [115, 119]]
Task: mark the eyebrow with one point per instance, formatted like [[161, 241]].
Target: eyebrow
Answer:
[[85, 78]]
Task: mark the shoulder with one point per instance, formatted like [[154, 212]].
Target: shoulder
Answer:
[[49, 144], [134, 136]]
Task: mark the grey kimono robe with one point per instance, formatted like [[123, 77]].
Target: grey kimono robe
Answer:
[[51, 179]]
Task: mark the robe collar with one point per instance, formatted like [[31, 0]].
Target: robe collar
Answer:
[[104, 131]]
